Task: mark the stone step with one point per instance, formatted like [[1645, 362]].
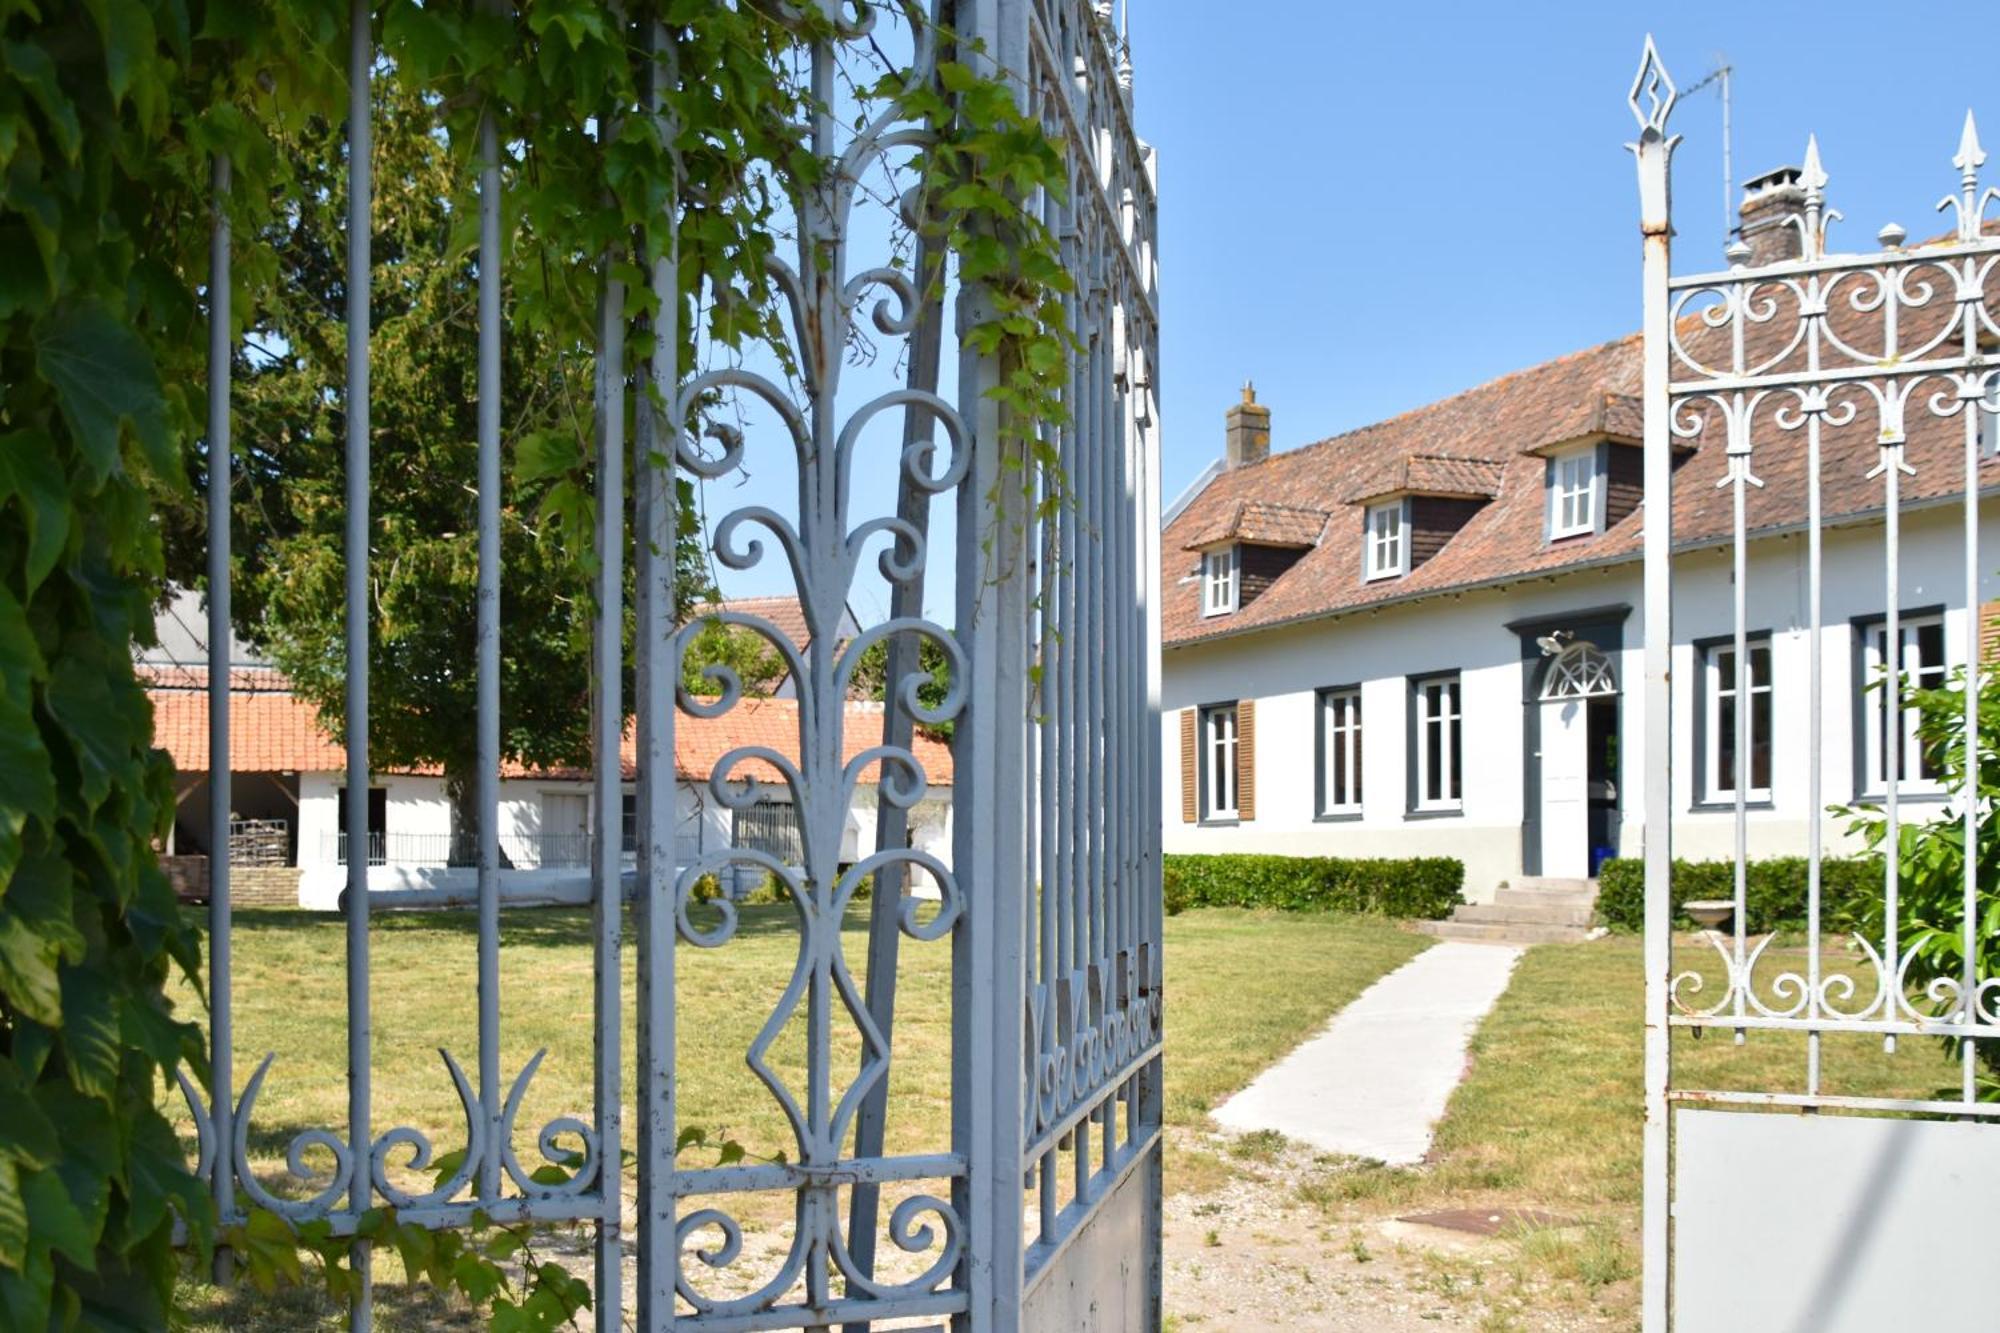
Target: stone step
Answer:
[[1495, 933], [1514, 895], [1557, 883], [1525, 914]]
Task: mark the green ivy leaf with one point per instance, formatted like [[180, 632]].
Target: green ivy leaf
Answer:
[[104, 376], [90, 1031], [55, 1222], [31, 474], [13, 1217]]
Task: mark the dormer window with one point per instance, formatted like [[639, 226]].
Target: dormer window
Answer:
[[1574, 488], [1386, 541], [1218, 581]]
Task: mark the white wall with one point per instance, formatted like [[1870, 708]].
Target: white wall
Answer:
[[1282, 668]]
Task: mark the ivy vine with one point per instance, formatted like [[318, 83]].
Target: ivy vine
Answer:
[[111, 112]]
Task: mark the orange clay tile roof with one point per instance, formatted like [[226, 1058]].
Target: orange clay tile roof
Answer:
[[1587, 394], [276, 731], [786, 615], [1444, 474], [1263, 524]]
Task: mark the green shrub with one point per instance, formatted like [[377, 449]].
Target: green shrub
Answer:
[[1423, 886], [1774, 892]]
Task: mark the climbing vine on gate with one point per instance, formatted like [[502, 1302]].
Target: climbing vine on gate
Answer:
[[110, 114]]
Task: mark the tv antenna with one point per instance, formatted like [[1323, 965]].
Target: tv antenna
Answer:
[[1720, 76]]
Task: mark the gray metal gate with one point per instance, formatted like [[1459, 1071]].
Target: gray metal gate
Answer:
[[1045, 1200], [1843, 409]]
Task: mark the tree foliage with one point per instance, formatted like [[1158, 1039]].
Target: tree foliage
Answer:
[[1930, 855]]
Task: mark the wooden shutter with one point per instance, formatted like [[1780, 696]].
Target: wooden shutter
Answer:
[[1246, 759], [1190, 806], [1989, 633]]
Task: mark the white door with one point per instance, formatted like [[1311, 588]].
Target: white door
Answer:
[[565, 829], [1566, 788]]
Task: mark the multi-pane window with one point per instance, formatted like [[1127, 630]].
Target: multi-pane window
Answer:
[[1573, 494], [1218, 582], [1218, 748], [1340, 756], [1890, 742], [1720, 720], [1387, 541], [1440, 744]]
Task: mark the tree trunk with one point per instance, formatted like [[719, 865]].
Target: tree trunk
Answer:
[[462, 791]]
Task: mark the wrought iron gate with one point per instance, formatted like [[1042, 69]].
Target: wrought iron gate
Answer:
[[1842, 403], [1045, 1198]]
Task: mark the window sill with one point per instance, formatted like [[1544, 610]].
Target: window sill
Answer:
[[1556, 537], [1337, 817], [1437, 812], [1723, 807], [1219, 821], [1902, 798], [1384, 576]]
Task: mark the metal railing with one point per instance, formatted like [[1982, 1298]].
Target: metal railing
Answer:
[[519, 851]]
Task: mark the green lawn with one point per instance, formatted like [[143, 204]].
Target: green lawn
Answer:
[[1242, 988], [1550, 1116]]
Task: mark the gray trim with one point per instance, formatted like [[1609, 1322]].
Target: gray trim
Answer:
[[1704, 799], [1603, 626], [1857, 738], [1201, 713], [1412, 735], [1320, 814]]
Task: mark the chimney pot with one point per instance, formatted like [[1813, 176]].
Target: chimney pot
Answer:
[[1246, 430], [1770, 203]]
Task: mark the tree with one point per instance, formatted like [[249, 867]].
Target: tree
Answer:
[[289, 525]]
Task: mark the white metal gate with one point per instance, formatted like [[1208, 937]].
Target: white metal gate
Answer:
[[1043, 1207], [1841, 403]]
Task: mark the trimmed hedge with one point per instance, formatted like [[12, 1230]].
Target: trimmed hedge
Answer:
[[1420, 886], [1774, 895]]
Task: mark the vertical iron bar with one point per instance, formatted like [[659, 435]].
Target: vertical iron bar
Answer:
[[487, 796], [221, 1037], [609, 717], [1654, 151], [360, 191], [1815, 678], [1892, 740], [904, 657], [657, 669], [1969, 789]]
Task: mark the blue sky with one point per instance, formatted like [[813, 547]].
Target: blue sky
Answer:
[[1365, 208]]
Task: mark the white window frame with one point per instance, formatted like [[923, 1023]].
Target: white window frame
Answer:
[[1220, 581], [1386, 541], [1877, 700], [1573, 483], [1718, 681], [1440, 704], [1340, 738], [1219, 762]]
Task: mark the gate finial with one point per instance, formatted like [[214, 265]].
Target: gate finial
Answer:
[[1969, 158], [1656, 86]]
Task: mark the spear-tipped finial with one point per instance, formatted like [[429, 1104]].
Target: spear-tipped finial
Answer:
[[1652, 96], [1970, 156], [1813, 175]]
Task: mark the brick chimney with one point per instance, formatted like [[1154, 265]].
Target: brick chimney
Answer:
[[1246, 431], [1770, 201]]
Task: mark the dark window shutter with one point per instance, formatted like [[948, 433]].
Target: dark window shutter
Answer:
[[1246, 759], [1189, 808]]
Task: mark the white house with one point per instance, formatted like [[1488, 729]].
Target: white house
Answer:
[[1423, 637], [294, 853]]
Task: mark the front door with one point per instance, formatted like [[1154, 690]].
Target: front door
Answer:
[[1566, 788]]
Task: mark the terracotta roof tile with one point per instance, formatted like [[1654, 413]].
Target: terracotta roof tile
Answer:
[[1493, 426], [1263, 524], [275, 731]]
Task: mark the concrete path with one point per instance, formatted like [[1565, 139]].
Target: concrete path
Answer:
[[1376, 1079]]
